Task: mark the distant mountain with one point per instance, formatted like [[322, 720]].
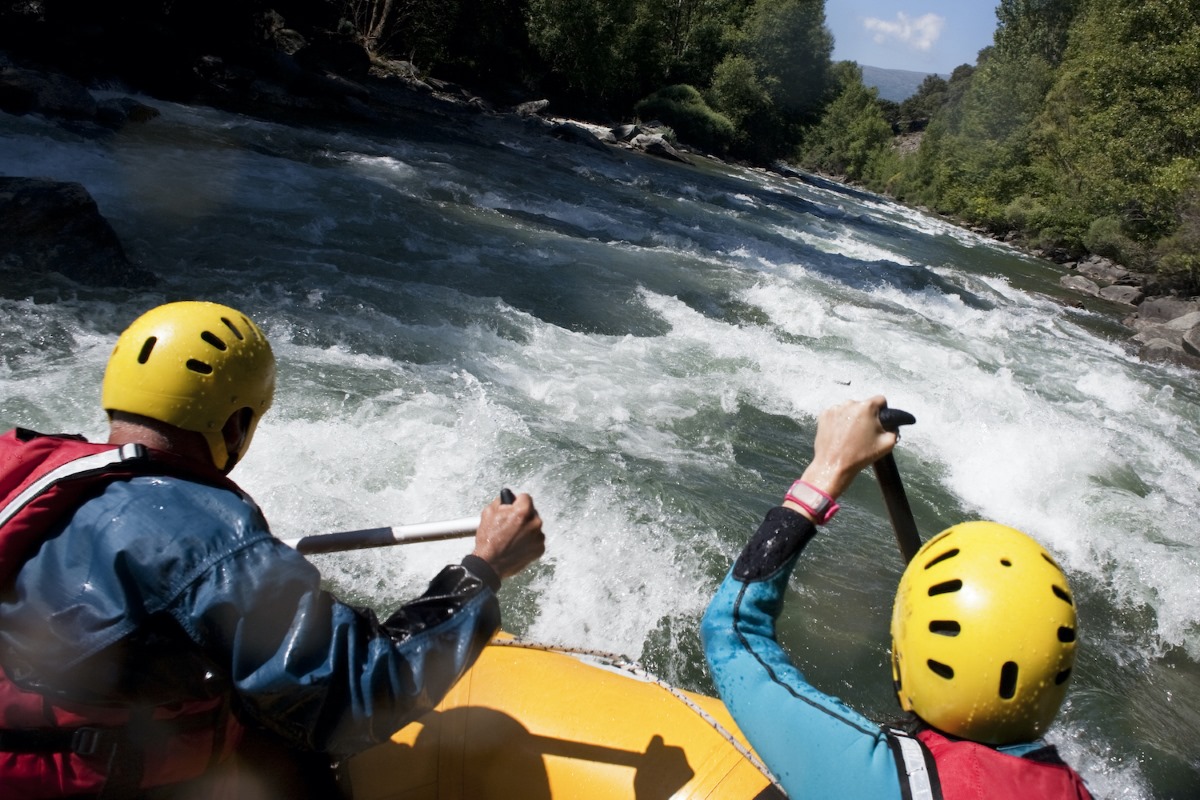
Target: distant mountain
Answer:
[[896, 85]]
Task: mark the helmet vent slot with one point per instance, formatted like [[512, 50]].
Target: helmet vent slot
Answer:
[[147, 347], [945, 627], [233, 328], [1062, 594], [1005, 562], [940, 669], [214, 340], [199, 366], [1066, 634], [942, 557], [945, 588], [1061, 677], [1008, 680]]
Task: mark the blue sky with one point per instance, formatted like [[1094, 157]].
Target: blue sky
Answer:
[[920, 35]]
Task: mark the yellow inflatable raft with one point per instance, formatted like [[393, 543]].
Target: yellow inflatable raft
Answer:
[[532, 722]]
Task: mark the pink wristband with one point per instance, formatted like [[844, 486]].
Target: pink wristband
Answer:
[[813, 500]]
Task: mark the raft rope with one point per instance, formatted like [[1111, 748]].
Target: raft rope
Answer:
[[624, 664]]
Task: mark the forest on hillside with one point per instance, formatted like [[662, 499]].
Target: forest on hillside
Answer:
[[1077, 131]]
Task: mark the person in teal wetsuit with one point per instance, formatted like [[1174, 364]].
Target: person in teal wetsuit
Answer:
[[983, 643]]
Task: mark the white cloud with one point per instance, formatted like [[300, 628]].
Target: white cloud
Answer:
[[919, 33]]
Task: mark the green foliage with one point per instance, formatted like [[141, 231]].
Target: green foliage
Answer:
[[582, 41], [610, 52], [916, 111], [1122, 124], [694, 122], [1105, 237], [743, 95], [852, 131], [488, 46], [1178, 254], [788, 41], [1035, 28], [777, 77], [406, 28], [1026, 213], [1080, 129], [738, 91], [689, 37]]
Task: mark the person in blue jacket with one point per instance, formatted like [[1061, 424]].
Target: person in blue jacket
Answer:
[[983, 643], [160, 641]]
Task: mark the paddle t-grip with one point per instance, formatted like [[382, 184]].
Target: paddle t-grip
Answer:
[[507, 498], [892, 418]]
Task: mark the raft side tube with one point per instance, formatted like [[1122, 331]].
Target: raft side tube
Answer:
[[535, 722]]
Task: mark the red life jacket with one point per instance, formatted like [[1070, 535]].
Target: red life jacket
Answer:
[[936, 767], [55, 748]]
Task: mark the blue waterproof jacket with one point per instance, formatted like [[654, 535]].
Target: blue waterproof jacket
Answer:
[[162, 589], [815, 745]]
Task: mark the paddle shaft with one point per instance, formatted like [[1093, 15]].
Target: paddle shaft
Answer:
[[385, 537], [888, 475]]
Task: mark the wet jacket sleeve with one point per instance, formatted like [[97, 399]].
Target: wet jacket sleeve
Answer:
[[814, 744], [326, 675]]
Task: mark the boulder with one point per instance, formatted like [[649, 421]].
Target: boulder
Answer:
[[786, 170], [656, 145], [574, 132], [1185, 322], [531, 108], [24, 91], [1166, 308], [1162, 351], [1172, 331], [116, 112], [625, 133], [1125, 295], [1191, 342], [1078, 283], [1103, 271], [49, 226]]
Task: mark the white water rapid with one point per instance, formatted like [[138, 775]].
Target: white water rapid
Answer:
[[644, 346]]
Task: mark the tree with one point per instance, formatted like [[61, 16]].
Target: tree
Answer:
[[694, 122], [1121, 126], [1035, 27], [582, 42], [414, 29], [916, 110], [789, 43], [851, 133]]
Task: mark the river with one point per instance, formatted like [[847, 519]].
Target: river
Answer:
[[643, 346]]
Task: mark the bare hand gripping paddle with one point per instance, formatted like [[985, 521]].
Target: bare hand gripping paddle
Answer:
[[894, 497]]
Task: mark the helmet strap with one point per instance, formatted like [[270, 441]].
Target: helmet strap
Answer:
[[228, 446]]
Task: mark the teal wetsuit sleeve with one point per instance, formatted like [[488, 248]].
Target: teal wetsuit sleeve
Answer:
[[815, 745]]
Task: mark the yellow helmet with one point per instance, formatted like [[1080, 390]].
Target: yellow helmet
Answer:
[[192, 365], [983, 634]]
